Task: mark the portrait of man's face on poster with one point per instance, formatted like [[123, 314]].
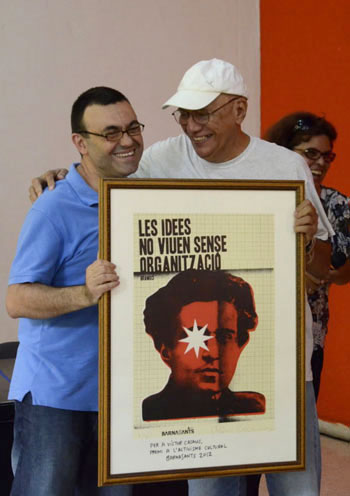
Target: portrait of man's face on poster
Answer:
[[200, 323]]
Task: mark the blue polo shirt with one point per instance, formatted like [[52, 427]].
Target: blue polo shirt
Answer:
[[57, 358]]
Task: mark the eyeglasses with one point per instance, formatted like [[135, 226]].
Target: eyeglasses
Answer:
[[182, 116], [117, 135], [314, 154]]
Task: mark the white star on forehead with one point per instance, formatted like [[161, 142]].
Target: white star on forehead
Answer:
[[196, 338]]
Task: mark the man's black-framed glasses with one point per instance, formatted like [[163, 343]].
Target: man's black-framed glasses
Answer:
[[117, 135], [200, 117], [315, 154]]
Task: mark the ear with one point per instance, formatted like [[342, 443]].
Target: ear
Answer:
[[240, 110], [80, 143], [165, 354]]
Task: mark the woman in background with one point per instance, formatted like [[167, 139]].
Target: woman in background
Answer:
[[313, 137]]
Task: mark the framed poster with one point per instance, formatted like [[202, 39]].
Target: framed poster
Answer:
[[202, 344]]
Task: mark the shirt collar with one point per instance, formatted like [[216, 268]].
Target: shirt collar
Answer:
[[86, 194]]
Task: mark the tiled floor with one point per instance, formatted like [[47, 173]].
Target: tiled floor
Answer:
[[335, 468]]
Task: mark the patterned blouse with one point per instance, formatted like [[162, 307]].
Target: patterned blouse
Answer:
[[336, 206]]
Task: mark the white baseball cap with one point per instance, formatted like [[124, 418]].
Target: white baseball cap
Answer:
[[205, 81]]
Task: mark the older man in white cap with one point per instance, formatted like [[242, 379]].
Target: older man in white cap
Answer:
[[211, 104]]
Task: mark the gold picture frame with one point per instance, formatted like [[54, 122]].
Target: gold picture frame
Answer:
[[154, 230]]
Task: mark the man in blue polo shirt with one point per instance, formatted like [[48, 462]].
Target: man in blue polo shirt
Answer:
[[54, 286]]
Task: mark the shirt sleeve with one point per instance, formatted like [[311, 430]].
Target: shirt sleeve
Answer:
[[39, 250], [338, 211], [145, 166], [157, 159], [325, 229]]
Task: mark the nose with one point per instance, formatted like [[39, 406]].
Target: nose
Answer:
[[192, 126], [213, 351], [126, 140], [322, 161]]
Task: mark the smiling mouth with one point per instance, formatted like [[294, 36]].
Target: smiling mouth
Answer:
[[316, 173], [124, 154], [200, 139]]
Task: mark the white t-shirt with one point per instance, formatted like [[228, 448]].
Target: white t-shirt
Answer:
[[176, 158]]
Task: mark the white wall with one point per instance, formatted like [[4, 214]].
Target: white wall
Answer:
[[51, 51]]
